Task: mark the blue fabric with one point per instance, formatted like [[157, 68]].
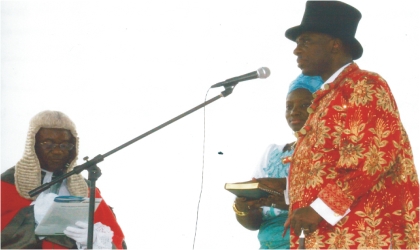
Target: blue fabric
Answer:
[[275, 167], [311, 83], [271, 230], [270, 234]]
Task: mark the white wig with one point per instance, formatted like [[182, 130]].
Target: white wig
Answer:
[[28, 169]]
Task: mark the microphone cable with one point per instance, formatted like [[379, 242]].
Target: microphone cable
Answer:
[[202, 169]]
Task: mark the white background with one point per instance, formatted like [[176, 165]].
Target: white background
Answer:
[[121, 68]]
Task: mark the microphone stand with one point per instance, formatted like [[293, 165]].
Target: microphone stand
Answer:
[[95, 172]]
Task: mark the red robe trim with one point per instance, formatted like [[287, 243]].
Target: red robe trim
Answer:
[[12, 203]]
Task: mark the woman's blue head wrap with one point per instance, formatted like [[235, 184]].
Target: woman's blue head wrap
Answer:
[[311, 83]]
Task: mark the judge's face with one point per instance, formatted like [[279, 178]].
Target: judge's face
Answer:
[[297, 103], [314, 53], [53, 148]]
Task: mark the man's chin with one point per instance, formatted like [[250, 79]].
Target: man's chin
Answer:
[[308, 72], [296, 127]]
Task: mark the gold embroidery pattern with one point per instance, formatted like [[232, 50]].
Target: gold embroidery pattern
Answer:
[[412, 229], [350, 155], [362, 93], [369, 231], [384, 101], [372, 239], [357, 143], [340, 239], [314, 241]]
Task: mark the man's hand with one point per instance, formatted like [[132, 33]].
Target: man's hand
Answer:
[[277, 184], [253, 218], [303, 218], [244, 205], [78, 233], [102, 235], [276, 201]]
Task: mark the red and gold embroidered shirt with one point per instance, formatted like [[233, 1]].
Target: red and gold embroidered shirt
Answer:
[[355, 154]]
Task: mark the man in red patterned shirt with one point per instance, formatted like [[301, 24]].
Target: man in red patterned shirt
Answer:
[[352, 182]]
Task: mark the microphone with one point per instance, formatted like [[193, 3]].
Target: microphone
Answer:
[[262, 73]]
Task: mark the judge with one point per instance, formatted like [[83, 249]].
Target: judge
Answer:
[[51, 149]]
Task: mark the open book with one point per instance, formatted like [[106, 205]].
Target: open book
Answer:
[[250, 190], [64, 212]]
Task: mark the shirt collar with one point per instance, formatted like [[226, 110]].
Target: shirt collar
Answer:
[[333, 76], [47, 176]]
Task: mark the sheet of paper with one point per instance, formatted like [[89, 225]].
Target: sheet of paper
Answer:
[[63, 214]]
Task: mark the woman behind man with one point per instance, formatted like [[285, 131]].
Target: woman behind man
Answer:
[[268, 215]]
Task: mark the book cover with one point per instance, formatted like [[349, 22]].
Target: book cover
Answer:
[[250, 190], [65, 211]]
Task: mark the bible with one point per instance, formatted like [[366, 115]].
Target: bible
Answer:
[[250, 190]]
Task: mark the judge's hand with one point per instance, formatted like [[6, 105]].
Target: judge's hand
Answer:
[[102, 235], [277, 184], [303, 218]]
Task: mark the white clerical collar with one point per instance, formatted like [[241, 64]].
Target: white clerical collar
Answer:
[[47, 177], [333, 76]]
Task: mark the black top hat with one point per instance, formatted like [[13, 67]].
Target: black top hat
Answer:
[[334, 18]]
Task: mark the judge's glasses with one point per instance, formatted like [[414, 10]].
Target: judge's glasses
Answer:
[[48, 145]]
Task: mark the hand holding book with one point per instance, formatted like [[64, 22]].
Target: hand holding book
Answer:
[[277, 184], [258, 188], [244, 204], [252, 198], [259, 192], [277, 200]]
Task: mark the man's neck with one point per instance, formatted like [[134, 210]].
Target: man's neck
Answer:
[[336, 73], [336, 66], [55, 173]]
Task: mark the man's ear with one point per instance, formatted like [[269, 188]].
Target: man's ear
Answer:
[[337, 44]]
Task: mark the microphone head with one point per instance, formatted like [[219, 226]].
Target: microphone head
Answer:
[[263, 72]]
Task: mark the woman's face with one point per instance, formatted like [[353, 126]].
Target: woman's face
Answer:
[[297, 103]]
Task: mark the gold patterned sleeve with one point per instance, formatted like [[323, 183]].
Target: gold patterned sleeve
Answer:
[[366, 128]]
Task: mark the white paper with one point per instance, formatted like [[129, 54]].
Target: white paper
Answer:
[[63, 214]]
